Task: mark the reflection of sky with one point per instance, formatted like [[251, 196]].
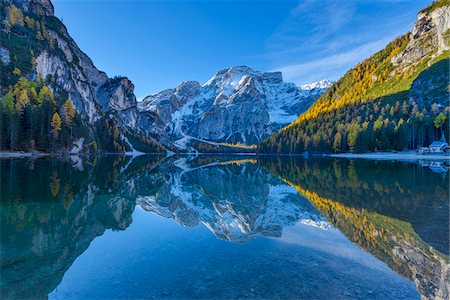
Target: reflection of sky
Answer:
[[155, 257], [332, 242]]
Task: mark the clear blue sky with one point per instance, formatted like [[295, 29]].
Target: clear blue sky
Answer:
[[158, 44]]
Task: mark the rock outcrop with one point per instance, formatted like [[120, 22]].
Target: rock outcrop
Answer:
[[37, 7], [428, 36]]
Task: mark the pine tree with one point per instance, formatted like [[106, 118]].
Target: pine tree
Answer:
[[68, 113], [56, 125], [7, 102], [29, 22], [337, 144], [7, 115], [352, 138], [15, 16]]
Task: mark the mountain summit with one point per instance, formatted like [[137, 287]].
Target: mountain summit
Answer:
[[323, 84], [237, 105]]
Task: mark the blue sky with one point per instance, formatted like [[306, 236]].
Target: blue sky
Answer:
[[158, 44]]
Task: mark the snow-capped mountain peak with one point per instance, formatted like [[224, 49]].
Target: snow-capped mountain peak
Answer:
[[230, 76], [238, 104], [323, 84]]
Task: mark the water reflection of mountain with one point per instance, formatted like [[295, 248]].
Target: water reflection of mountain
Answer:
[[51, 210], [236, 200], [398, 212]]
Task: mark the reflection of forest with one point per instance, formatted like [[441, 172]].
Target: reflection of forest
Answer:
[[51, 210], [396, 211]]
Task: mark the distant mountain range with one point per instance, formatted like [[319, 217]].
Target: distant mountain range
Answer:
[[237, 105]]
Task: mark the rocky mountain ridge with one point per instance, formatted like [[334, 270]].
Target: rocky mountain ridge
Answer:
[[237, 105], [428, 36], [73, 71]]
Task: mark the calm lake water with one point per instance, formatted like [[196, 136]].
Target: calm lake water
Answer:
[[223, 227]]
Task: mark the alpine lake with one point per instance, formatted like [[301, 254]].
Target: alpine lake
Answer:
[[210, 226]]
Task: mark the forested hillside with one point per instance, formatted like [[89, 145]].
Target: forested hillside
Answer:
[[51, 94], [30, 119], [397, 99]]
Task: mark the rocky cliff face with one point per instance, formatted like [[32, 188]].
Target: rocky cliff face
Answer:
[[71, 69], [428, 40], [429, 36], [69, 72], [237, 105], [38, 7]]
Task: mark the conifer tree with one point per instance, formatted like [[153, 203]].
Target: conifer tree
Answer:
[[56, 125], [68, 113], [440, 121], [337, 144]]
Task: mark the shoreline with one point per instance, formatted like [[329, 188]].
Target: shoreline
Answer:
[[371, 155], [390, 156], [20, 154]]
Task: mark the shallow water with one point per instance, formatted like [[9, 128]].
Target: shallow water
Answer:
[[223, 227]]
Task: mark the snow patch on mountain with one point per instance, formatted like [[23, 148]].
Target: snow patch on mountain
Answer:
[[237, 104], [323, 84], [228, 218]]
